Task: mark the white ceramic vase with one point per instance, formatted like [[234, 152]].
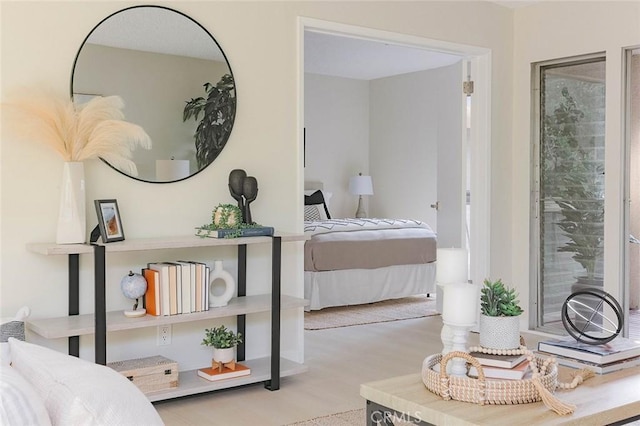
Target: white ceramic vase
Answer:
[[217, 274], [499, 332], [224, 355], [72, 221]]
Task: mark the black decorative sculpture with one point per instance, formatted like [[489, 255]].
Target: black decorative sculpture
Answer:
[[244, 189]]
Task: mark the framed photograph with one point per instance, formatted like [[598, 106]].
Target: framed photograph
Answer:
[[109, 220]]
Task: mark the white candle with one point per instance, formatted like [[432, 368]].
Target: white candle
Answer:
[[452, 265], [460, 305]]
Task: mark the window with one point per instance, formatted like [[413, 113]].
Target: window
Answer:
[[569, 184]]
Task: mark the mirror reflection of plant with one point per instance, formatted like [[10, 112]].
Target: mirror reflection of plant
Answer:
[[218, 114], [574, 180]]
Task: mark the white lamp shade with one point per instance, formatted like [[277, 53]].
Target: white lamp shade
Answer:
[[361, 185]]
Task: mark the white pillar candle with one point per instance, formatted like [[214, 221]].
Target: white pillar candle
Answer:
[[460, 305], [452, 265]]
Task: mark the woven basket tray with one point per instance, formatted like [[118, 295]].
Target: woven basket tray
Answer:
[[481, 390]]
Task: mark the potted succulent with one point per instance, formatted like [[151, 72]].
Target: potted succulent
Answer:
[[224, 343], [499, 316]]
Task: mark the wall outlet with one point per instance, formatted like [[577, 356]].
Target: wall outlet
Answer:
[[164, 335]]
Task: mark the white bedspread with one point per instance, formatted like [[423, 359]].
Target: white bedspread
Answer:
[[349, 224]]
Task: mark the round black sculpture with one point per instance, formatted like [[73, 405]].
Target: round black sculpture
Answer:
[[244, 189], [584, 319]]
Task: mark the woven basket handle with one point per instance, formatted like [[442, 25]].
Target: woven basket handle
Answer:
[[467, 357]]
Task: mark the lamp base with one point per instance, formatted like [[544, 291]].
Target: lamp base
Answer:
[[360, 213]]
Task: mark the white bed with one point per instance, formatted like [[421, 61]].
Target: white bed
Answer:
[[356, 261]]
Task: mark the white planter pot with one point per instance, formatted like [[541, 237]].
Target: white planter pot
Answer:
[[499, 332], [72, 222], [224, 355]]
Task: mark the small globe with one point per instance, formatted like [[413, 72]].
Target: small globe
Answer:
[[133, 285], [585, 319]]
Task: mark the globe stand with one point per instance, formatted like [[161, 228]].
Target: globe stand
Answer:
[[135, 312]]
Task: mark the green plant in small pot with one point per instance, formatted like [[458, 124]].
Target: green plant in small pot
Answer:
[[499, 316], [223, 341]]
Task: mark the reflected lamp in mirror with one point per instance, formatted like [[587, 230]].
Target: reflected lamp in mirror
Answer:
[[159, 61], [361, 185]]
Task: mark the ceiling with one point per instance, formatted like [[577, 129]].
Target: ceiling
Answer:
[[363, 59], [158, 30]]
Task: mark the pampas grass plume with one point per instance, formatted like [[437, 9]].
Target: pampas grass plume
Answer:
[[93, 130]]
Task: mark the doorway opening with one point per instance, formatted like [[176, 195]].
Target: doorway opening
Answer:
[[472, 226]]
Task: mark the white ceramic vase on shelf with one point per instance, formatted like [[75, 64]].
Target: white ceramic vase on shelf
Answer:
[[218, 300], [224, 355], [72, 221]]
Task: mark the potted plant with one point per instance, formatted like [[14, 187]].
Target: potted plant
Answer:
[[218, 114], [499, 316], [224, 342]]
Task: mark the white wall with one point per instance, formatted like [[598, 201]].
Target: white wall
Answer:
[[39, 41], [337, 136], [416, 123], [550, 30]]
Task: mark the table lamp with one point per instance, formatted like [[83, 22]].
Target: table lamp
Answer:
[[361, 185]]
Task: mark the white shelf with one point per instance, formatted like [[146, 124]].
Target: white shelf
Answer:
[[78, 325], [138, 244], [190, 383]]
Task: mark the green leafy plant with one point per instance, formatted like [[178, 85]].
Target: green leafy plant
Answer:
[[218, 114], [226, 216], [575, 181], [221, 337], [496, 300]]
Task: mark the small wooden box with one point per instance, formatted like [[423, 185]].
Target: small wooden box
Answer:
[[149, 374]]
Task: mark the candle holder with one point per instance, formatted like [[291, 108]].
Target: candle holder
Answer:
[[458, 343]]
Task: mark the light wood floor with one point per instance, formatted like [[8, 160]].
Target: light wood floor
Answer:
[[339, 361]]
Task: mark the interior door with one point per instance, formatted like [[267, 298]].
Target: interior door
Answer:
[[452, 159]]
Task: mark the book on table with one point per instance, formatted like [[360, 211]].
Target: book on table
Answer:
[[515, 373], [502, 361], [596, 368], [259, 231], [618, 349], [214, 374]]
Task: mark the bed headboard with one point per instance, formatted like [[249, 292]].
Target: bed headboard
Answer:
[[313, 186]]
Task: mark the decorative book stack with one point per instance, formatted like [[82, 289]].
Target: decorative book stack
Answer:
[[616, 355], [510, 367], [179, 287], [214, 374]]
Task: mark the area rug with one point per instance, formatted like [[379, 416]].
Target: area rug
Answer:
[[388, 310]]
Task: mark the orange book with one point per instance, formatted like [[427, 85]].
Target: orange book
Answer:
[[214, 374], [152, 296]]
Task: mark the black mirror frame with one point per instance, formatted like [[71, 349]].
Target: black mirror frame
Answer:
[[73, 69]]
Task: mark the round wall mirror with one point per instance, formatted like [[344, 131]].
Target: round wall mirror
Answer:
[[175, 82]]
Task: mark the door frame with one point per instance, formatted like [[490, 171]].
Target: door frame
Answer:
[[480, 58]]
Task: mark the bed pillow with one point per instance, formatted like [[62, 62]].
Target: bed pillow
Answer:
[[20, 404], [13, 327], [79, 392], [316, 199]]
